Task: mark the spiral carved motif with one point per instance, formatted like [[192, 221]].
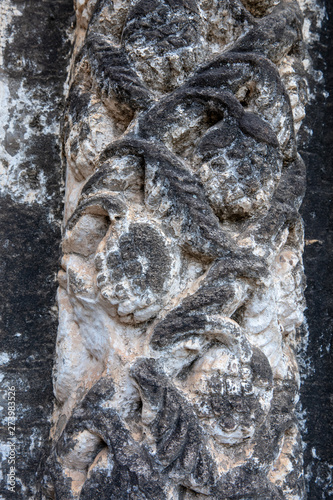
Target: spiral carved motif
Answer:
[[181, 292]]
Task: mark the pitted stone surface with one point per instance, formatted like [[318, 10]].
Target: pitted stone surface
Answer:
[[181, 289]]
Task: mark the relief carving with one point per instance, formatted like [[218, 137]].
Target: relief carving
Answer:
[[181, 289]]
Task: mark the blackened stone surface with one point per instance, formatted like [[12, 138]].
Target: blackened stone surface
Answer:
[[317, 389], [35, 64], [29, 253]]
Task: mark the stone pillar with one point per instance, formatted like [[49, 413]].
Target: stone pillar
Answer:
[[181, 289], [178, 126]]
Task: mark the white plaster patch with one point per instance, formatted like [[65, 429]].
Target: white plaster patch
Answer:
[[36, 440], [4, 358], [17, 110], [4, 450], [7, 12], [320, 14]]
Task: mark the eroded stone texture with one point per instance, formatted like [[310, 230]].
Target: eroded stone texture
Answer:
[[181, 289], [34, 54]]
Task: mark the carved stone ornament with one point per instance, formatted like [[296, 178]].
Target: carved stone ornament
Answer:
[[181, 289]]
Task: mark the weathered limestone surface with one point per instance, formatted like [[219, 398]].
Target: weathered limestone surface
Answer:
[[181, 289], [34, 53]]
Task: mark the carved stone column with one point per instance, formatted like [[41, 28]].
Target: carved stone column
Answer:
[[181, 290]]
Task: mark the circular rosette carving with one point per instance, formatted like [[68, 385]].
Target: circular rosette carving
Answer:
[[134, 271], [228, 382], [240, 165], [232, 398]]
